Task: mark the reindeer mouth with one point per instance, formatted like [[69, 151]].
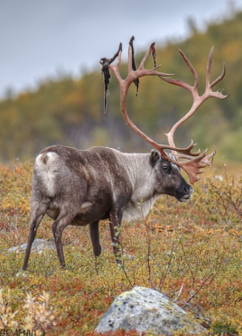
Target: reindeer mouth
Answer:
[[187, 196]]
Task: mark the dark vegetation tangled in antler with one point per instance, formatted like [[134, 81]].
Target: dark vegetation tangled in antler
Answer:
[[105, 62]]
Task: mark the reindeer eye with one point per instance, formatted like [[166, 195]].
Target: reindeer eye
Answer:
[[165, 168]]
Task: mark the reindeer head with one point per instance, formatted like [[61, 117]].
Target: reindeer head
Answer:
[[168, 178]]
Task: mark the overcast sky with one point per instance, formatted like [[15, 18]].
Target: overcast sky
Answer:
[[40, 37]]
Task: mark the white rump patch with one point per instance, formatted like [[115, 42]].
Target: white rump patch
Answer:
[[46, 168], [50, 158]]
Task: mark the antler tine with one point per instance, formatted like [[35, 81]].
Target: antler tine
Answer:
[[179, 82], [151, 50], [216, 94], [220, 77], [193, 71], [209, 66], [193, 167]]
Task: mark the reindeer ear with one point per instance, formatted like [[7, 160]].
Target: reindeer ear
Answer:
[[155, 156]]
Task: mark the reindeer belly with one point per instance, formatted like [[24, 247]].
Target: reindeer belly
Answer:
[[90, 212]]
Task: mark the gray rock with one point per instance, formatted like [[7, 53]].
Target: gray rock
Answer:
[[144, 309], [39, 245]]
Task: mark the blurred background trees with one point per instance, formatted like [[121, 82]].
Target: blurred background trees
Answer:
[[70, 111]]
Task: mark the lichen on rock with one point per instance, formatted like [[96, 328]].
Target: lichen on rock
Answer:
[[144, 309]]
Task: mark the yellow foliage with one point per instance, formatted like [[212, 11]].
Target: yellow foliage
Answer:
[[192, 252]]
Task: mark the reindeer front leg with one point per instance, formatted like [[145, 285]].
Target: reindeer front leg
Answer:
[[115, 218], [94, 233]]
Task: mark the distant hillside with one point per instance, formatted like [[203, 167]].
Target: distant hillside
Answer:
[[68, 111]]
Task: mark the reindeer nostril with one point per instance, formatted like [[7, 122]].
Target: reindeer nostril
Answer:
[[186, 190]]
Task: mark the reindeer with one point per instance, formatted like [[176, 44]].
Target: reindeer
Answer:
[[82, 187]]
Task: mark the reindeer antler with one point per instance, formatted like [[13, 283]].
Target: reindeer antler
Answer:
[[192, 163]]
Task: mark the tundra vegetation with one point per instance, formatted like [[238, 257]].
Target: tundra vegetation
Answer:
[[192, 252]]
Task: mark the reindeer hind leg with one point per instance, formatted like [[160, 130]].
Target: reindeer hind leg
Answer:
[[63, 220], [36, 217]]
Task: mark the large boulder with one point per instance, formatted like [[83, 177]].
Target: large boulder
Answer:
[[144, 309]]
